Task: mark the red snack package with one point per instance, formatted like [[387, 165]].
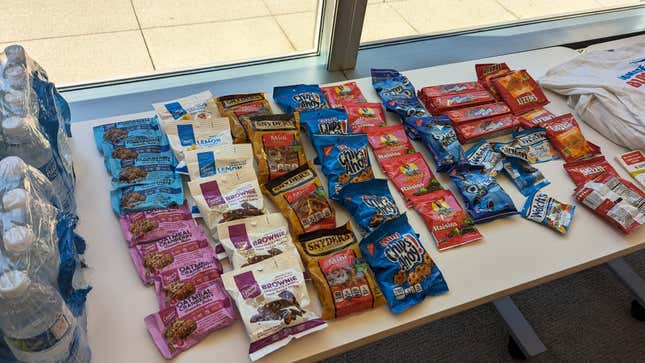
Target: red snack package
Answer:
[[476, 112], [339, 94], [582, 171], [446, 220], [535, 117], [449, 89], [486, 127], [411, 175], [364, 116], [566, 136], [389, 141], [440, 104], [616, 200], [151, 225], [520, 91], [488, 71]]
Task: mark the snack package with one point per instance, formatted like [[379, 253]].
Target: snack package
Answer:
[[404, 271], [344, 159], [137, 153], [389, 142], [364, 116], [411, 175], [178, 328], [273, 302], [197, 134], [485, 200], [370, 203], [529, 145], [545, 210], [582, 171], [227, 197], [486, 72], [486, 127], [526, 178], [566, 136], [448, 223], [153, 225], [483, 153], [467, 114], [440, 138], [238, 105], [535, 118], [520, 91], [344, 281], [634, 163], [301, 198], [276, 144], [202, 163], [448, 89], [254, 239], [165, 193], [338, 95], [199, 106], [397, 93], [328, 121], [441, 104], [300, 97], [133, 131], [154, 170], [615, 199], [182, 285]]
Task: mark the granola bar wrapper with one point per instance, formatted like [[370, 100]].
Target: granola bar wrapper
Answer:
[[441, 104], [164, 193], [301, 198], [486, 72], [344, 281], [228, 196], [299, 97], [535, 118], [483, 153], [411, 175], [194, 107], [341, 94], [616, 200], [446, 220], [183, 283], [520, 91], [582, 171], [486, 127], [370, 203], [547, 211], [180, 327], [254, 239], [328, 121], [237, 105], [364, 116], [129, 133], [276, 144], [467, 114], [403, 268], [389, 142], [273, 302], [153, 225], [138, 159], [202, 163], [566, 136]]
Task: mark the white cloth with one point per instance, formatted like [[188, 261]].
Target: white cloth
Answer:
[[606, 88]]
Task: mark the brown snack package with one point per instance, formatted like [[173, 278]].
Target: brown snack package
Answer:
[[238, 105]]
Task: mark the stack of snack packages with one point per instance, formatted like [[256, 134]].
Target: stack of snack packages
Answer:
[[40, 254]]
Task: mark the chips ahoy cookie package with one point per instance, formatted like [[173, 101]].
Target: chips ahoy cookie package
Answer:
[[300, 97]]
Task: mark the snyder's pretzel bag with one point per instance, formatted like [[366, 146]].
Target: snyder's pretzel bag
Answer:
[[440, 139], [198, 134], [411, 175], [486, 127], [364, 116], [370, 203], [483, 153], [582, 171], [535, 118], [202, 163], [129, 133], [520, 91], [273, 302], [566, 136], [389, 141], [164, 193], [182, 284], [344, 159], [467, 114], [404, 271], [228, 196], [344, 281], [448, 223], [340, 94], [526, 178], [254, 239], [301, 198], [529, 145], [328, 121], [276, 144], [152, 225], [199, 106], [238, 105], [300, 97], [545, 210]]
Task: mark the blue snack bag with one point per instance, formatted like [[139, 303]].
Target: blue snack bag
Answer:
[[154, 158], [483, 153], [484, 199], [116, 133], [525, 177], [167, 192], [397, 93], [439, 137], [300, 97], [344, 158], [403, 268], [370, 203], [545, 210], [328, 121]]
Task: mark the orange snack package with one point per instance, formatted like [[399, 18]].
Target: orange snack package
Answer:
[[566, 136], [520, 91]]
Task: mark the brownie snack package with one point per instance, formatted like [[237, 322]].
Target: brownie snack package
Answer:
[[467, 114], [545, 210], [340, 94], [237, 105], [364, 116], [197, 134], [183, 283], [328, 121], [254, 239], [566, 136], [483, 153], [301, 198], [164, 193], [228, 196], [389, 141], [152, 225], [194, 107], [520, 91], [273, 302], [370, 203], [403, 268], [202, 163], [276, 144], [535, 118], [344, 281], [411, 175], [582, 171], [300, 97]]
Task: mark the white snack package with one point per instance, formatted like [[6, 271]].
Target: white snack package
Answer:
[[196, 134], [198, 106], [634, 162], [202, 163]]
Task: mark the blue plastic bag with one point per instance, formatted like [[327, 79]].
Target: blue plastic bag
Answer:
[[300, 97], [370, 203]]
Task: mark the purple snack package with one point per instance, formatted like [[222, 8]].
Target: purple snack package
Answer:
[[152, 225], [176, 285]]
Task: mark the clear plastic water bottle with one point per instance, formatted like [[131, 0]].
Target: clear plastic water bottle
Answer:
[[36, 324], [14, 173]]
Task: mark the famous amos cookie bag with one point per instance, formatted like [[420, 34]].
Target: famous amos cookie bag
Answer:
[[389, 141], [344, 281], [411, 175], [328, 121], [520, 91], [582, 171], [364, 116], [194, 107], [182, 284], [448, 223], [301, 198], [238, 105], [370, 203], [299, 97], [273, 302], [535, 118], [403, 268], [545, 210], [152, 225], [164, 193], [529, 145], [526, 178], [202, 163], [440, 138], [566, 136], [341, 94], [483, 153], [467, 114]]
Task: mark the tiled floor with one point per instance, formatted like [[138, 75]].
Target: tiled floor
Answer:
[[80, 41]]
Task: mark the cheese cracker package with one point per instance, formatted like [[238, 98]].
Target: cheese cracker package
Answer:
[[520, 91], [566, 136], [202, 163], [238, 105], [582, 171]]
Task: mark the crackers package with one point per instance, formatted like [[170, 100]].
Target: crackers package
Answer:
[[582, 171], [202, 163], [199, 106], [301, 198], [341, 94], [389, 141], [152, 225], [299, 97], [364, 116], [411, 175], [545, 210], [273, 302], [520, 91], [404, 271], [535, 118], [370, 203], [238, 105], [344, 281], [197, 134], [486, 72], [566, 136], [228, 196]]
